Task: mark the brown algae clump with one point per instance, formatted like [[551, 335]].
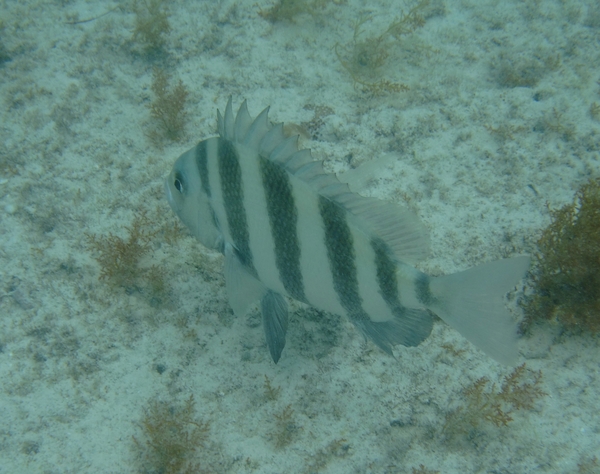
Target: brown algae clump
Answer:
[[567, 270]]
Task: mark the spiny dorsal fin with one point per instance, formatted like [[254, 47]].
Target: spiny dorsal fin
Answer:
[[398, 227]]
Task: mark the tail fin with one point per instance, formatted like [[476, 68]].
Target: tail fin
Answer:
[[472, 302]]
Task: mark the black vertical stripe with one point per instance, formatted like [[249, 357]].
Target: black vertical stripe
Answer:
[[342, 258], [230, 175], [283, 217], [386, 273], [423, 290], [202, 163], [415, 325]]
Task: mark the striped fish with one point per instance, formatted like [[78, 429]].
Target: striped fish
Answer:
[[289, 229]]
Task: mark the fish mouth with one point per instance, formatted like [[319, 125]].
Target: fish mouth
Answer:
[[169, 194]]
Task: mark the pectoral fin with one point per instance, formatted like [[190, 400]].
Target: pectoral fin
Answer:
[[243, 289]]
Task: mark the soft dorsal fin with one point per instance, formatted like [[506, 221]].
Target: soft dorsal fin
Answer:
[[403, 232]]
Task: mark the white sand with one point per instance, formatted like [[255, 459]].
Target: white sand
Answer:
[[476, 157]]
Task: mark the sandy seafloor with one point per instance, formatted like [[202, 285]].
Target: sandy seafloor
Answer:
[[478, 156]]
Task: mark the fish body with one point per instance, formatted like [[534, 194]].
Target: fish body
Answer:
[[289, 229]]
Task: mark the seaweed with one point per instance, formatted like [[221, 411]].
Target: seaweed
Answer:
[[566, 275], [121, 258], [453, 350], [286, 428], [314, 125], [505, 131], [512, 70], [338, 448], [588, 466], [555, 123], [287, 10], [513, 73], [172, 437], [151, 24], [168, 107], [485, 403], [368, 54], [312, 128], [30, 447], [423, 470], [271, 393], [518, 393]]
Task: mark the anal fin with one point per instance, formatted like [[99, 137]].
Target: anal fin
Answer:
[[409, 328]]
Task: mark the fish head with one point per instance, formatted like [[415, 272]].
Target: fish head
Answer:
[[190, 201]]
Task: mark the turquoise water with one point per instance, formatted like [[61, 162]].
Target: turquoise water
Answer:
[[478, 116]]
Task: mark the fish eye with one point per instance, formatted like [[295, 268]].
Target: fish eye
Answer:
[[178, 183]]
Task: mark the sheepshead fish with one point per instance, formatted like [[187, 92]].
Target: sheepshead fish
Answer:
[[289, 229]]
